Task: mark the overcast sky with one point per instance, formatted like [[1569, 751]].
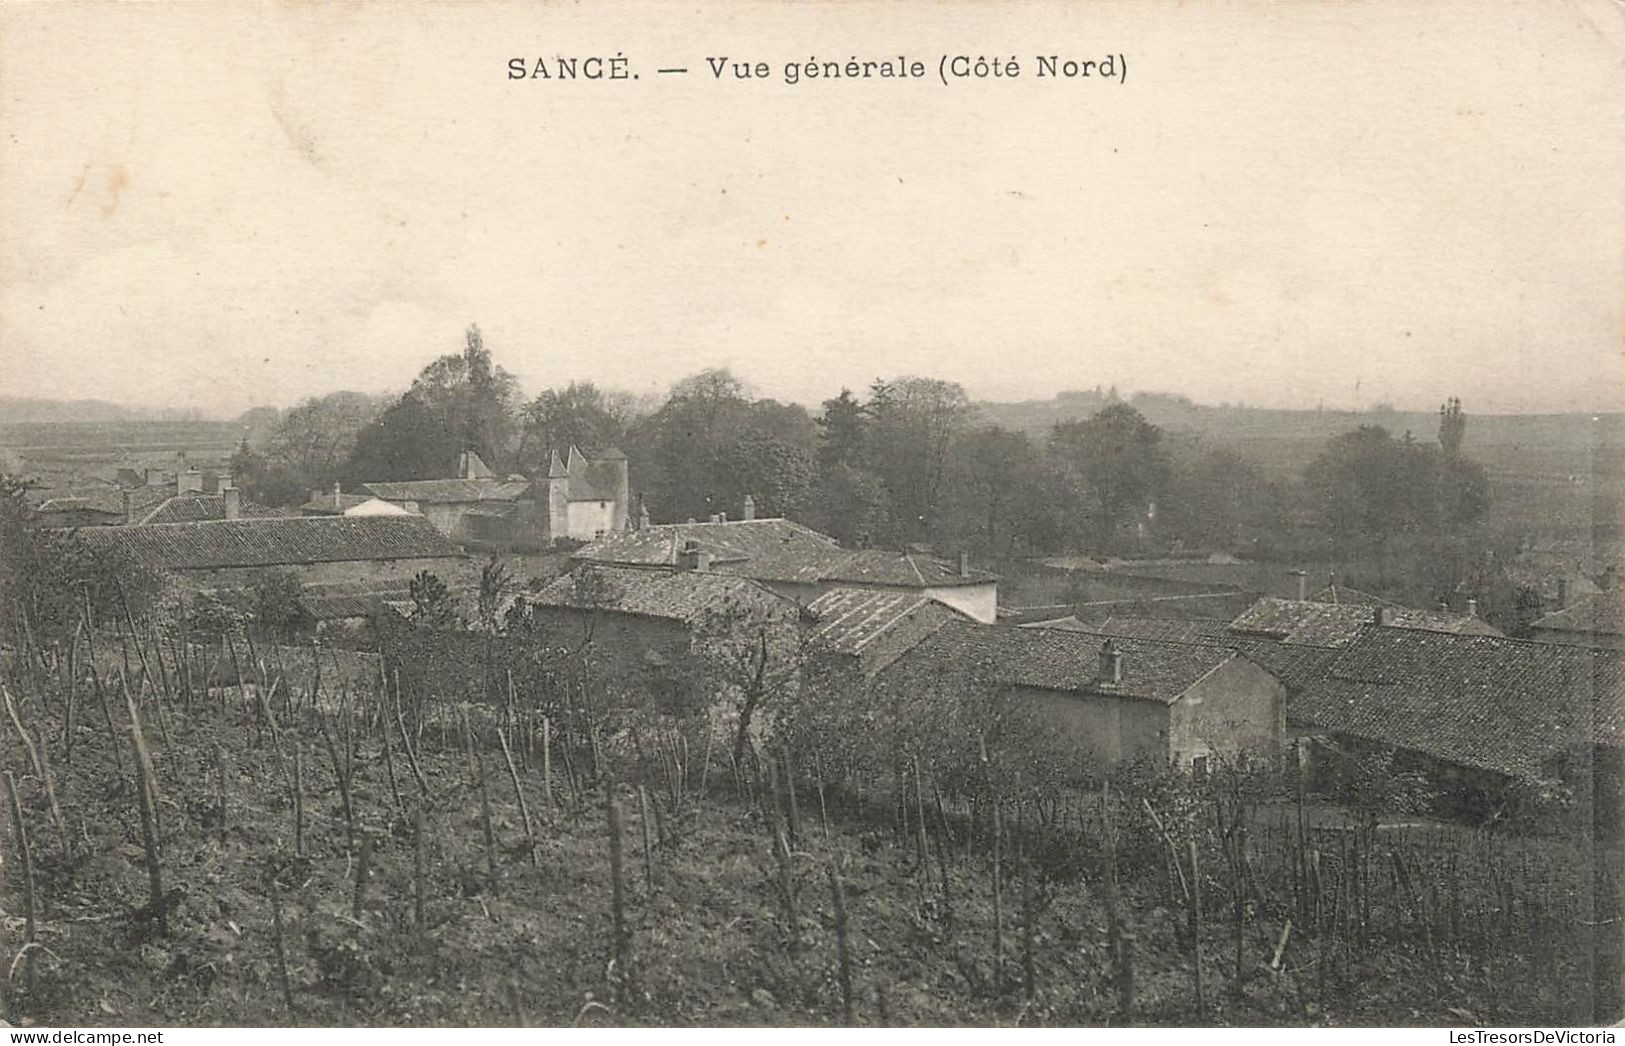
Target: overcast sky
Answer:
[[1284, 204]]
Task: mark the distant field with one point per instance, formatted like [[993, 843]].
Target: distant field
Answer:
[[69, 452]]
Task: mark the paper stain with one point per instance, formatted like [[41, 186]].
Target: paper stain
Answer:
[[102, 183]]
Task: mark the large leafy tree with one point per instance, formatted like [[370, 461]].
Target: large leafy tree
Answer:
[[1369, 488], [1110, 465], [462, 401], [913, 424], [312, 441], [580, 414], [710, 444]]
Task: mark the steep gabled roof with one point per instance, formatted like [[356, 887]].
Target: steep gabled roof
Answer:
[[274, 541], [1064, 660], [1309, 623], [1497, 704], [686, 596]]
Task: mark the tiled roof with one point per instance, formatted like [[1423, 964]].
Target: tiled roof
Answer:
[[776, 550], [686, 596], [769, 549], [1601, 614], [1295, 665], [109, 500], [909, 569], [274, 541], [1064, 660], [1346, 596], [1496, 704], [324, 505], [195, 508], [1310, 623], [859, 621], [449, 491]]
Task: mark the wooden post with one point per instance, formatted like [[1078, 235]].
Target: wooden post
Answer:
[[648, 845], [519, 792], [26, 854], [418, 870], [843, 955], [1196, 932], [621, 943], [547, 766], [281, 948]]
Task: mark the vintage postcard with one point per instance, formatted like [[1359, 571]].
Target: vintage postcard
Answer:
[[911, 514]]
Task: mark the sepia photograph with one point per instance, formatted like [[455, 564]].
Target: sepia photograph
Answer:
[[962, 514]]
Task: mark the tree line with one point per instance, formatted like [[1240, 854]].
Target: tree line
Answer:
[[906, 461]]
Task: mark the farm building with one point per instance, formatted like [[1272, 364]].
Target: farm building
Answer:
[[1595, 620], [1312, 623], [1119, 700], [1486, 707], [651, 619], [339, 503], [581, 498], [796, 561], [227, 552], [871, 628]]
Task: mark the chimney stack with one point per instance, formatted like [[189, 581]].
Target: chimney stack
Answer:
[[338, 498], [693, 558], [1472, 608], [964, 563], [1111, 663], [234, 502], [1380, 616], [1303, 583], [129, 508], [715, 518], [189, 481], [1562, 592], [643, 516], [750, 508], [722, 517]]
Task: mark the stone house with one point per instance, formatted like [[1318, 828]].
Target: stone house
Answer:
[[796, 561], [228, 552], [1117, 700], [581, 498]]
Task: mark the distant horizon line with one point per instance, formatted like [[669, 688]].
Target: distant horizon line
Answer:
[[163, 412]]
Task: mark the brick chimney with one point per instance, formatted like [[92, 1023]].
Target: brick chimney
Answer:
[[964, 563], [715, 518], [1379, 616], [1111, 663], [338, 498], [643, 516], [1303, 583], [1562, 592], [233, 499], [129, 508], [189, 481], [1472, 608], [750, 508], [694, 558]]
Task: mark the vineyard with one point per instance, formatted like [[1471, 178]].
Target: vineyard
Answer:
[[238, 834]]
